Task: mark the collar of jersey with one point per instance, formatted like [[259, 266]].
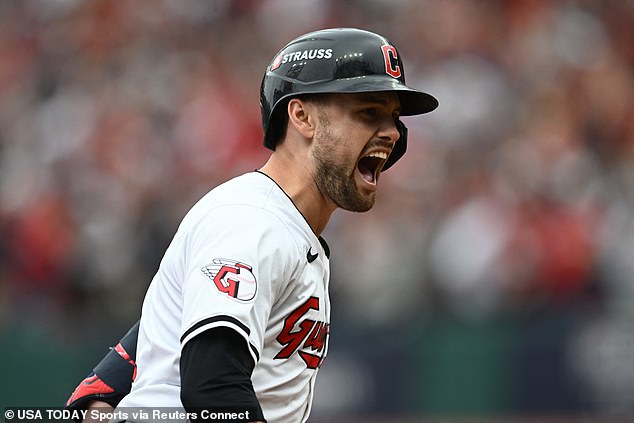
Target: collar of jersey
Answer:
[[322, 241]]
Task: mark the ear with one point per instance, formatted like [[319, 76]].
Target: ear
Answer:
[[301, 117]]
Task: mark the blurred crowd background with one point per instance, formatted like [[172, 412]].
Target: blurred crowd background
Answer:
[[495, 276]]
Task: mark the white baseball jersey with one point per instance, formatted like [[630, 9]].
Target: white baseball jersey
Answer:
[[245, 258]]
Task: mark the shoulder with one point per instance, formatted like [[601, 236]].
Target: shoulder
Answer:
[[251, 201], [250, 208]]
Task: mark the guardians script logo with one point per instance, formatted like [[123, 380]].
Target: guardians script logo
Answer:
[[305, 336]]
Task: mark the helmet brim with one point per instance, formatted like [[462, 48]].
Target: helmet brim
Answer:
[[413, 102]]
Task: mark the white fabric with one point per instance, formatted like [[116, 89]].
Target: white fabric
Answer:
[[246, 233]]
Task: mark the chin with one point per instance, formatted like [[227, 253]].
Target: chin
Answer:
[[361, 204]]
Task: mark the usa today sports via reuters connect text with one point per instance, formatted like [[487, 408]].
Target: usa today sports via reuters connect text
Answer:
[[159, 415]]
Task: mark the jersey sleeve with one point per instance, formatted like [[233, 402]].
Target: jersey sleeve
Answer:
[[238, 258]]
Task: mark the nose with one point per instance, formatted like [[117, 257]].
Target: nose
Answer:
[[389, 131]]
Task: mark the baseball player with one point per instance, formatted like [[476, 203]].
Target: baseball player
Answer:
[[237, 316]]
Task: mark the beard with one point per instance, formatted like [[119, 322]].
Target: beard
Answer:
[[337, 180]]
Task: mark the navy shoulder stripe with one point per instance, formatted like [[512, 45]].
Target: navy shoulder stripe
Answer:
[[222, 318]]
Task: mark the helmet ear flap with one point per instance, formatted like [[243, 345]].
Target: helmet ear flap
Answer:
[[400, 147]]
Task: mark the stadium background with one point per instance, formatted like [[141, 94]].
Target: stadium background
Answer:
[[495, 276]]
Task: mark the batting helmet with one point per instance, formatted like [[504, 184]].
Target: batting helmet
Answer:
[[340, 60]]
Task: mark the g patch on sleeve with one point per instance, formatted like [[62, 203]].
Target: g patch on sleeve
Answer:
[[232, 278]]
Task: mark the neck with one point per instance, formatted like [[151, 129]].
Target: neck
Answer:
[[297, 181]]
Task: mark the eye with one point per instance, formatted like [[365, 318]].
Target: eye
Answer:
[[370, 112]]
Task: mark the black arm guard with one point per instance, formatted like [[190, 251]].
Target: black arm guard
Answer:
[[111, 379]]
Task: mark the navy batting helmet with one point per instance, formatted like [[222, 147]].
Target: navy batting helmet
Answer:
[[340, 60]]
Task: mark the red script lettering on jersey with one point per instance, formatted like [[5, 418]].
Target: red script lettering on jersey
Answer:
[[310, 335]]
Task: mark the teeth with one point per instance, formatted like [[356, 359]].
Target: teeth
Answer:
[[378, 155]]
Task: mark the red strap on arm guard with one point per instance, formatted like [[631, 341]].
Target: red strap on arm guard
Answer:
[[90, 388], [112, 378]]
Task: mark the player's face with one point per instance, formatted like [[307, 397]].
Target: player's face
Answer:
[[354, 137]]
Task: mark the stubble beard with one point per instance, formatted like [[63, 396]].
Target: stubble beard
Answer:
[[337, 181]]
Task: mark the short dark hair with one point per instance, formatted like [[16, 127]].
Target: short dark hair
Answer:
[[279, 118]]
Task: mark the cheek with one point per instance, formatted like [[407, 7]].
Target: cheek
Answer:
[[343, 141], [330, 139]]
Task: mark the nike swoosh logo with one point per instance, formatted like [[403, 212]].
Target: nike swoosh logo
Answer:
[[311, 257]]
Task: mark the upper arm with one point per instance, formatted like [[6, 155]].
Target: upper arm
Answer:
[[236, 262], [215, 370]]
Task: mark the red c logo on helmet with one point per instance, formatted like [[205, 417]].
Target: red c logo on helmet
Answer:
[[390, 56]]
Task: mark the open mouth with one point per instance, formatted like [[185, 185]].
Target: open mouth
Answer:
[[370, 166]]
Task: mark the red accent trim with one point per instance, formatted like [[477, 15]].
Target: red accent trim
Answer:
[[124, 354], [89, 386], [276, 63]]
